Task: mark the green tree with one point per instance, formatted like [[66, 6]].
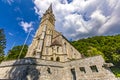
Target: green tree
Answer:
[[93, 52], [2, 44], [15, 52], [107, 46]]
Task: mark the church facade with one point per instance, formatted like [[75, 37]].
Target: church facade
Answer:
[[48, 44], [51, 57]]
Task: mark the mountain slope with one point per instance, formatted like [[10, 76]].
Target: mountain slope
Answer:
[[107, 46]]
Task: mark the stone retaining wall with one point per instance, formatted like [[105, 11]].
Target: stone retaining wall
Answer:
[[36, 69]]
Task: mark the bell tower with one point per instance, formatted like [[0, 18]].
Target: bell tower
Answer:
[[48, 16], [43, 36], [48, 20], [48, 44]]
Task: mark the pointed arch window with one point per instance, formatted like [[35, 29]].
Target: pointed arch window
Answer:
[[34, 53], [57, 49], [65, 51], [51, 58], [57, 59]]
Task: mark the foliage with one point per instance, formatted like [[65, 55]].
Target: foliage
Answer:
[[116, 71], [15, 52], [2, 44], [93, 51], [107, 46]]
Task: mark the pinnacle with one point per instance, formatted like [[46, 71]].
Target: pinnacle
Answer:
[[50, 8]]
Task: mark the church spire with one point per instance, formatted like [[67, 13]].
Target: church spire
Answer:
[[50, 8], [48, 16]]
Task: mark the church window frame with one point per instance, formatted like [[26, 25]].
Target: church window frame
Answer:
[[51, 58], [73, 72], [34, 53], [57, 49], [65, 47], [58, 59], [82, 69], [94, 68], [49, 70]]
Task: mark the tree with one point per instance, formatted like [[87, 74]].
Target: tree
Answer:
[[107, 46], [15, 52], [93, 52], [2, 44]]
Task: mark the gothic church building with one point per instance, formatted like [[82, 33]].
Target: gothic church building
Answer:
[[51, 57]]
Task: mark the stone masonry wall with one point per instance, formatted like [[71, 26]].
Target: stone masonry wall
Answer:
[[36, 69]]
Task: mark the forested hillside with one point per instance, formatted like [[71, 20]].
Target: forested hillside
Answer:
[[107, 46]]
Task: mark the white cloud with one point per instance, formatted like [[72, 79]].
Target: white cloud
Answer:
[[27, 26], [97, 15], [83, 18], [10, 34], [8, 1]]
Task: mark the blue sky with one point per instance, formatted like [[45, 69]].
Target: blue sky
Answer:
[[11, 16], [76, 19]]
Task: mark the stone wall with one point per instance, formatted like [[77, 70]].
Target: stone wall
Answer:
[[36, 69], [101, 72], [30, 69]]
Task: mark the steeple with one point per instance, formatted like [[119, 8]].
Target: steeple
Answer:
[[49, 44], [50, 8], [48, 16], [43, 36]]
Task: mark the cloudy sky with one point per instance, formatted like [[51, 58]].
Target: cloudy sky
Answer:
[[74, 18]]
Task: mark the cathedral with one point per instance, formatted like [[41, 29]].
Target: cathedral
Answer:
[[49, 44], [52, 57]]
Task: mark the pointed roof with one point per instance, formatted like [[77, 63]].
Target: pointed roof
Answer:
[[50, 8]]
